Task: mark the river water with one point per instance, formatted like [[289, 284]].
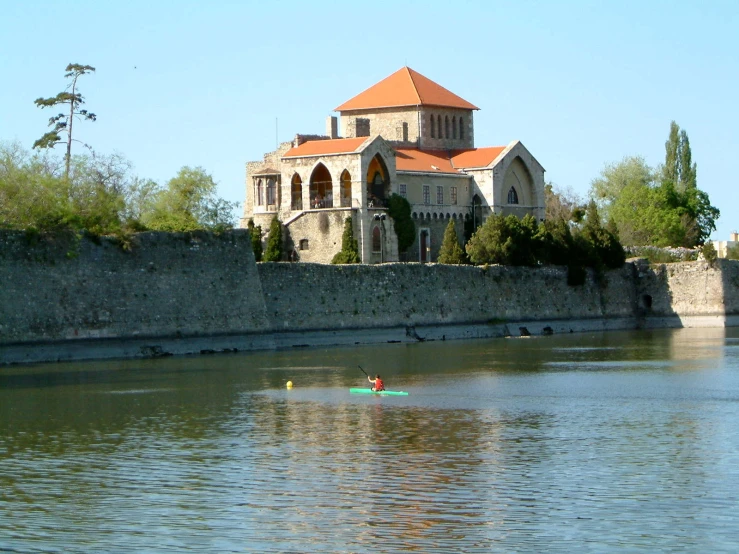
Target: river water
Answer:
[[621, 441]]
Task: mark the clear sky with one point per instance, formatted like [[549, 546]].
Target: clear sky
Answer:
[[214, 84]]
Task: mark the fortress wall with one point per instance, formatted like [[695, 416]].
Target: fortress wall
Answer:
[[167, 285], [311, 296], [180, 293]]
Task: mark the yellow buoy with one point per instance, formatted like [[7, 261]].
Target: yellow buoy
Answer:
[[289, 384]]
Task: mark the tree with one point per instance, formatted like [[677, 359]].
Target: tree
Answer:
[[679, 167], [349, 253], [274, 242], [256, 239], [63, 122], [504, 240], [606, 189], [451, 252], [562, 204], [189, 202], [400, 210]]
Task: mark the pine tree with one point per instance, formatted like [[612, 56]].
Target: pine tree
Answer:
[[274, 242], [256, 239], [349, 253], [451, 252]]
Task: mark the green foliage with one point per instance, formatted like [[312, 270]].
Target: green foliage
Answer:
[[709, 253], [451, 252], [562, 204], [187, 203], [256, 239], [510, 241], [63, 123], [273, 253], [400, 210], [657, 207], [349, 253], [100, 195]]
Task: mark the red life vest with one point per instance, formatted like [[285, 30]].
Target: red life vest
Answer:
[[379, 385]]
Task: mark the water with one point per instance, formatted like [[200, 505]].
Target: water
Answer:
[[582, 443]]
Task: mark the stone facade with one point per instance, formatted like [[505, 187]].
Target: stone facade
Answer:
[[424, 152]]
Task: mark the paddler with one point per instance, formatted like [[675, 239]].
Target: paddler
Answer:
[[377, 383]]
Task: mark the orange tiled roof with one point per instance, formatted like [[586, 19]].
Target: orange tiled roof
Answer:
[[405, 87], [429, 161], [476, 157], [442, 161], [324, 147]]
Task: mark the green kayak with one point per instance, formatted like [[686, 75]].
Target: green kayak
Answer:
[[381, 393]]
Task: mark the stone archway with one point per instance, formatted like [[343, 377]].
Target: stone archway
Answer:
[[378, 182], [296, 193], [518, 186], [321, 188], [345, 198]]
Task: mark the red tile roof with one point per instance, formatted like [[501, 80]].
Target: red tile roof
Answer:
[[476, 157], [442, 161], [325, 147], [405, 87]]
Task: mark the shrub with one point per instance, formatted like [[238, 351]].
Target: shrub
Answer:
[[274, 242], [349, 253], [451, 252], [400, 210]]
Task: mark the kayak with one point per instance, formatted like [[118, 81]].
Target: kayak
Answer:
[[381, 393]]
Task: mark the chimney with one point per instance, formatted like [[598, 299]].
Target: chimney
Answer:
[[332, 127]]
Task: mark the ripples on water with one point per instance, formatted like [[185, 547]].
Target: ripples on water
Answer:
[[586, 443]]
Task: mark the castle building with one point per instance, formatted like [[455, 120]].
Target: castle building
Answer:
[[405, 135]]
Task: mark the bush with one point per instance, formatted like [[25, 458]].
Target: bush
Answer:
[[709, 253], [451, 252], [274, 242], [349, 253], [400, 210], [256, 239]]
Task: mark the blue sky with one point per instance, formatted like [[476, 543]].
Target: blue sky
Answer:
[[581, 84]]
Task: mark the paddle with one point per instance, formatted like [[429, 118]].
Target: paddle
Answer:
[[363, 371]]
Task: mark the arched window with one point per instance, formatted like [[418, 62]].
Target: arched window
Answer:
[[461, 128], [345, 200], [454, 126], [260, 193], [446, 126], [296, 196], [512, 196], [433, 130], [438, 127], [376, 239]]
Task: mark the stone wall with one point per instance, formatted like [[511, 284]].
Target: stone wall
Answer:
[[389, 295], [167, 284], [182, 293]]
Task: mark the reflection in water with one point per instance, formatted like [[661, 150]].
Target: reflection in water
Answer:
[[584, 442]]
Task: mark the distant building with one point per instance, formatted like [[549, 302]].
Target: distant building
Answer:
[[722, 246], [405, 135]]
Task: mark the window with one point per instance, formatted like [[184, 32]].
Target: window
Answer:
[[439, 195], [453, 195], [260, 193], [433, 130], [446, 126], [512, 196], [426, 194], [454, 126], [402, 190], [376, 239], [270, 192], [304, 244], [461, 128], [438, 127]]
